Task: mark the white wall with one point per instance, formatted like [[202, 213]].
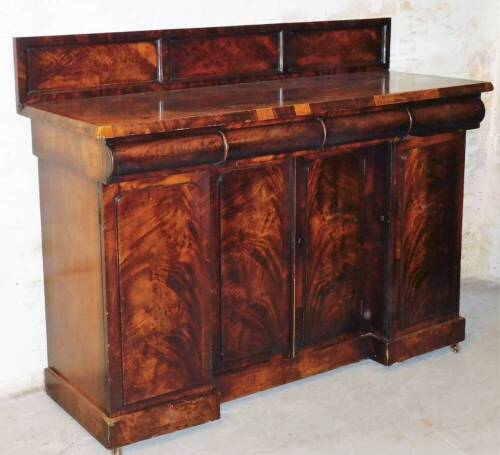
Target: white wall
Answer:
[[448, 37]]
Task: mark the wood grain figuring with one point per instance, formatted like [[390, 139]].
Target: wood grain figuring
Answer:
[[375, 223], [429, 257], [333, 48], [146, 154], [163, 283], [254, 266], [248, 142], [87, 66], [101, 160], [119, 63], [350, 128], [227, 56], [447, 115], [255, 103], [333, 300]]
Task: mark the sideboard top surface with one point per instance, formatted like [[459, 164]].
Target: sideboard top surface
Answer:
[[134, 83], [157, 112]]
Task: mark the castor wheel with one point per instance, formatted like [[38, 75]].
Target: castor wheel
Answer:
[[455, 348], [117, 451]]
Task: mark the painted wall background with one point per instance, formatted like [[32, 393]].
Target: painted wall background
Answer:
[[444, 37]]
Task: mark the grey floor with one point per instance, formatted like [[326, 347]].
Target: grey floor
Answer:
[[440, 403]]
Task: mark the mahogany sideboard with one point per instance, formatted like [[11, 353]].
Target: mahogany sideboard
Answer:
[[229, 209]]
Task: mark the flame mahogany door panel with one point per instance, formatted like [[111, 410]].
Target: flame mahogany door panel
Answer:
[[254, 222], [427, 250], [162, 245], [330, 195]]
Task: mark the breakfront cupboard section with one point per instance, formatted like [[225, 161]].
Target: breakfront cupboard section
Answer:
[[428, 229], [225, 210]]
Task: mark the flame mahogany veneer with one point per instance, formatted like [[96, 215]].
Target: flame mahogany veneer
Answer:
[[229, 209]]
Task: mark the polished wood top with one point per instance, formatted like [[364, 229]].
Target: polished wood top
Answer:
[[162, 111]]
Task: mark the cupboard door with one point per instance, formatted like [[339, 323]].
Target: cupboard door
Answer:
[[427, 250], [162, 243], [331, 240], [254, 268]]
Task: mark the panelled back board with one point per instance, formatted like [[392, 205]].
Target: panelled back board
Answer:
[[60, 67]]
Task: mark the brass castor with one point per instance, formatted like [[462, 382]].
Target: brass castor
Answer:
[[117, 451], [455, 348]]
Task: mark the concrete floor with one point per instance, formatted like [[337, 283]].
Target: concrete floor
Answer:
[[440, 403]]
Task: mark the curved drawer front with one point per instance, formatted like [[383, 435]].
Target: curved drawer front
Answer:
[[144, 154], [263, 140], [376, 125], [148, 155], [440, 116]]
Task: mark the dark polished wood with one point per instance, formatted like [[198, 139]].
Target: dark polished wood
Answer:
[[60, 67], [427, 228], [237, 105], [254, 254], [132, 426], [309, 361], [162, 243], [229, 209], [332, 247]]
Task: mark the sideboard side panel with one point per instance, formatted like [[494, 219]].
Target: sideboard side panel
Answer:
[[254, 251], [162, 243], [72, 264]]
